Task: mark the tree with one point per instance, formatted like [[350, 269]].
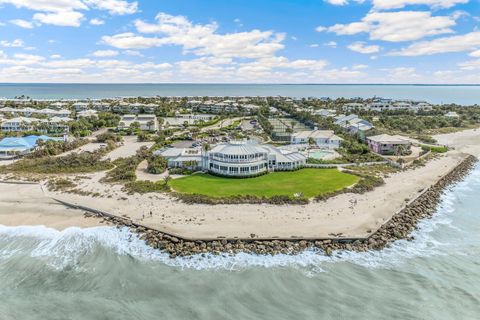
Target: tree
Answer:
[[150, 125], [135, 126], [167, 179]]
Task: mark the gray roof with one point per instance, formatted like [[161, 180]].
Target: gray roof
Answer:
[[238, 148]]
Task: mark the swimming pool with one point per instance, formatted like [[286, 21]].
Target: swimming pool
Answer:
[[321, 154]]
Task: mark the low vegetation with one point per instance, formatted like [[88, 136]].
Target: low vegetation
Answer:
[[156, 164], [109, 136], [435, 149], [84, 162], [53, 148]]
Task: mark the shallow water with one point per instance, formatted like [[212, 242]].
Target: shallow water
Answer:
[[105, 273]]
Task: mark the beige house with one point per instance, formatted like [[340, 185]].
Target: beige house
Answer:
[[146, 122]]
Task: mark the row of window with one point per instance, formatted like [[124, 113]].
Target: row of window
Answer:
[[233, 170], [238, 156]]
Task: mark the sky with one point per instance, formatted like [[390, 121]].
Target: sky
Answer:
[[240, 41]]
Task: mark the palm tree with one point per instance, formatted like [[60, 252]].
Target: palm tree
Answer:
[[150, 124]]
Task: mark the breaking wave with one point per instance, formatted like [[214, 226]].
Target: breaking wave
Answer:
[[67, 248]]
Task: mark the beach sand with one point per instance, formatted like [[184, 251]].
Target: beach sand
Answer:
[[346, 215], [26, 204]]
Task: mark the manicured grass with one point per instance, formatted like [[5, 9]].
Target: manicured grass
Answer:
[[311, 182]]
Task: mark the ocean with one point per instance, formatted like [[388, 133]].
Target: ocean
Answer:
[[438, 94], [107, 273]]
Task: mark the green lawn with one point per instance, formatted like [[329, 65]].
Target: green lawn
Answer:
[[311, 182]]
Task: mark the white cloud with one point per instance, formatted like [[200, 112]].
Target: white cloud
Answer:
[[60, 18], [396, 4], [362, 47], [475, 54], [21, 59], [470, 65], [22, 23], [55, 56], [359, 67], [105, 53], [131, 41], [402, 74], [202, 40], [331, 44], [70, 63], [321, 29], [337, 2], [17, 43], [96, 22], [133, 53], [67, 12], [397, 26], [314, 45], [47, 5], [114, 7], [467, 42]]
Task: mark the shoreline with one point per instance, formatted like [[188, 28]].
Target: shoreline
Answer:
[[313, 225], [398, 227]]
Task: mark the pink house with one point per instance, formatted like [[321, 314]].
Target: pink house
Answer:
[[386, 144]]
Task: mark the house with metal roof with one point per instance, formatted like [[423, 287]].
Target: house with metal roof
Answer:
[[387, 144], [13, 147], [322, 138], [243, 158]]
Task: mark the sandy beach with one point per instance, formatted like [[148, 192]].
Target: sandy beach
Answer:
[[346, 215], [26, 204]]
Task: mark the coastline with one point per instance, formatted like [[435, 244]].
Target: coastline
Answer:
[[423, 183]]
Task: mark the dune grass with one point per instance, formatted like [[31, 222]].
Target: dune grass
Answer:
[[310, 182]]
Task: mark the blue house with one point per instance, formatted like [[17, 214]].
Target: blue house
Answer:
[[14, 147]]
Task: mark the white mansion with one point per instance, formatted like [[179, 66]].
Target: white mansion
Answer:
[[235, 158]]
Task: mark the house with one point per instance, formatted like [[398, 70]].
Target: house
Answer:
[[59, 105], [322, 138], [101, 106], [344, 121], [236, 158], [81, 106], [14, 147], [146, 122], [352, 106], [87, 114], [189, 119], [388, 145], [55, 124], [183, 157], [19, 124], [326, 113]]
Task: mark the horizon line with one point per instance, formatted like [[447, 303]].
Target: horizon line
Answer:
[[230, 83]]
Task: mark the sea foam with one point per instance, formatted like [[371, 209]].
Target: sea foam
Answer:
[[63, 248]]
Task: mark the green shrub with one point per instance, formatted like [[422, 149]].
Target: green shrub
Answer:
[[73, 163], [435, 149], [53, 148], [157, 164], [108, 136]]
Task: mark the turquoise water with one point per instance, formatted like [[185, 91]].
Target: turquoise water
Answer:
[[319, 154], [105, 273], [432, 93]]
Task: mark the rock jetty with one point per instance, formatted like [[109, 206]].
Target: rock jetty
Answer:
[[400, 226]]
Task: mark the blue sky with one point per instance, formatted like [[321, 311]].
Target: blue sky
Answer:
[[244, 41]]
